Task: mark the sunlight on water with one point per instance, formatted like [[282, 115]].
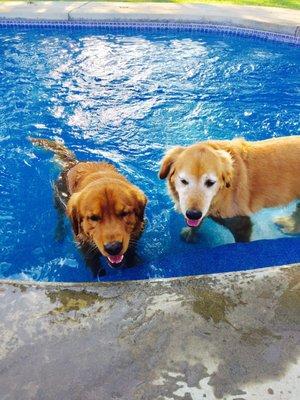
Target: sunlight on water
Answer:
[[126, 98]]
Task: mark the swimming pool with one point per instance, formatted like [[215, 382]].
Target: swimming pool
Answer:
[[125, 97]]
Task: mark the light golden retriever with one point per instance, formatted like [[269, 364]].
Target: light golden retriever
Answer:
[[230, 180], [105, 209]]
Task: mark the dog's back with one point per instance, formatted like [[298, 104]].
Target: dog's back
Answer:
[[65, 157], [273, 171]]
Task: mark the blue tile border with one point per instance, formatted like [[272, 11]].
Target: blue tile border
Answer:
[[235, 257], [153, 26]]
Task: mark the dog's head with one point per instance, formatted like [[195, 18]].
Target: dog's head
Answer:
[[110, 215], [195, 175]]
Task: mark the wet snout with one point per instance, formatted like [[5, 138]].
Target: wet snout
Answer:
[[195, 202], [193, 217], [193, 207], [112, 243], [114, 252], [113, 248]]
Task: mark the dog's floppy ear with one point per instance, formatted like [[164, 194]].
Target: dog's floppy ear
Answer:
[[141, 202], [227, 164], [168, 161], [73, 213]]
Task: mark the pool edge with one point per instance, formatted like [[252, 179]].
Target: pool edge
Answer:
[[141, 282], [268, 20], [218, 336]]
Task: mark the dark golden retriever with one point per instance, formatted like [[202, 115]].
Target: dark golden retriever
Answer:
[[106, 210], [230, 180]]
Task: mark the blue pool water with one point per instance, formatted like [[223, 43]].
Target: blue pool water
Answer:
[[126, 98]]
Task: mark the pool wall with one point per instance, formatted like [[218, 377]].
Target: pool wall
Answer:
[[264, 22]]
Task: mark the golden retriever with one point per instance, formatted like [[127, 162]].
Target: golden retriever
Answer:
[[105, 209], [230, 180]]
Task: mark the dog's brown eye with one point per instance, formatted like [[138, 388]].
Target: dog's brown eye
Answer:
[[124, 214], [185, 182], [94, 218], [209, 183]]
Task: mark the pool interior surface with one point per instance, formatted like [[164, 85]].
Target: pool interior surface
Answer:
[[125, 98]]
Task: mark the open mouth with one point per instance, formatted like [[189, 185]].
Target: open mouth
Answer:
[[193, 222], [115, 260]]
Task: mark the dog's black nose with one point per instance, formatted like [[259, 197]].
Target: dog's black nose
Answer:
[[193, 214], [113, 248]]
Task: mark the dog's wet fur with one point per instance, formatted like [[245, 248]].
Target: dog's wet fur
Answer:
[[230, 180], [106, 210], [224, 180]]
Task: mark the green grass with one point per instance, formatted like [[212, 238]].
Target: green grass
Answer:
[[294, 4], [266, 3]]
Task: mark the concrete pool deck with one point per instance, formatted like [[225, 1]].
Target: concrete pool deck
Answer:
[[232, 336], [276, 20]]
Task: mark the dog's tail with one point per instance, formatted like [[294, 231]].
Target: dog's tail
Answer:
[[65, 157]]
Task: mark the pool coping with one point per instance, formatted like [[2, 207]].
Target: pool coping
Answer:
[[268, 20], [222, 336], [153, 281]]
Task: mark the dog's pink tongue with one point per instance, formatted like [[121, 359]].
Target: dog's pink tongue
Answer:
[[193, 222], [116, 259]]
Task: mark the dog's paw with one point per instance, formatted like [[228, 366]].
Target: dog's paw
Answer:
[[288, 225], [101, 272], [189, 235]]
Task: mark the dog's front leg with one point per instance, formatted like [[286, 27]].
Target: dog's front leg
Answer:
[[60, 201], [60, 230], [189, 234], [91, 257], [240, 227]]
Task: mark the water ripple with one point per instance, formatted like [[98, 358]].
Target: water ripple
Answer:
[[125, 99]]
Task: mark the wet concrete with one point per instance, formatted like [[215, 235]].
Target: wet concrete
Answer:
[[233, 336]]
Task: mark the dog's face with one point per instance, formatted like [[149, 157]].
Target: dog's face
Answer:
[[110, 215], [195, 175]]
